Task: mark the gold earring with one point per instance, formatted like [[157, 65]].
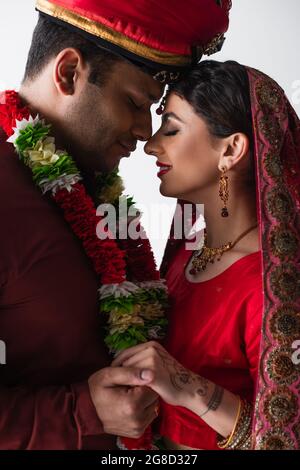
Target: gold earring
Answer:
[[224, 191]]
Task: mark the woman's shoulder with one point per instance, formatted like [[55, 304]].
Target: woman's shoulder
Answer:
[[235, 269], [246, 274], [249, 263]]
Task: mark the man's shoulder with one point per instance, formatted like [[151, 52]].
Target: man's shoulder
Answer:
[[4, 146], [7, 153], [20, 198], [14, 176]]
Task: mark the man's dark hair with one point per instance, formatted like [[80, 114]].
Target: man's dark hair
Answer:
[[219, 93], [50, 38]]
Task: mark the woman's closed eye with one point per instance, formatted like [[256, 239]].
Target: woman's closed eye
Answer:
[[170, 133]]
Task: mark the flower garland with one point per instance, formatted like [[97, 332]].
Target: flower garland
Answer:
[[131, 293]]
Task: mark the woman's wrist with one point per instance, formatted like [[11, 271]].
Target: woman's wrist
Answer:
[[197, 394]]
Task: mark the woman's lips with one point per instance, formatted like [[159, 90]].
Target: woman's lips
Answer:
[[164, 168], [163, 172]]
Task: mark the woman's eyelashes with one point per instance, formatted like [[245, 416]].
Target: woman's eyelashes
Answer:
[[170, 133]]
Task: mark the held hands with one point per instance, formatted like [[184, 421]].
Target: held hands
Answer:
[[171, 381], [124, 403], [125, 395], [178, 386]]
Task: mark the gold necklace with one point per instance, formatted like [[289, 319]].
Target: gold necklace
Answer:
[[206, 255]]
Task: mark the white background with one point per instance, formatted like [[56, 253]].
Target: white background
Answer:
[[264, 34]]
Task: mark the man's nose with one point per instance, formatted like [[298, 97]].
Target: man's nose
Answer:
[[143, 127]]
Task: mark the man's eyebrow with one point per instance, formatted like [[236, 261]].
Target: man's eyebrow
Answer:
[[166, 116]]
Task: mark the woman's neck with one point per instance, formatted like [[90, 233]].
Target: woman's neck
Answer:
[[242, 215]]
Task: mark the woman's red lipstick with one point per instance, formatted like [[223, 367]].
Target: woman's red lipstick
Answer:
[[164, 168]]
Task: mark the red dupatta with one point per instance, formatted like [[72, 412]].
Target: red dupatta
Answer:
[[276, 130]]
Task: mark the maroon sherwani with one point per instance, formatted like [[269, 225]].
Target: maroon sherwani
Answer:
[[49, 321]]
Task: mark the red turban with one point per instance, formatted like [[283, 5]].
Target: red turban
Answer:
[[165, 36]]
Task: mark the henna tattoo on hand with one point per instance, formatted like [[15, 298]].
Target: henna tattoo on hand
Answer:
[[202, 390], [215, 400], [179, 376]]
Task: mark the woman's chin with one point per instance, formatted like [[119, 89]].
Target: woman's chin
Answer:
[[167, 192]]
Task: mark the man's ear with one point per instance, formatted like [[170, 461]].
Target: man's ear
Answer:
[[67, 68], [234, 150]]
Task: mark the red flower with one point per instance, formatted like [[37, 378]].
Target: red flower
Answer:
[[11, 110], [79, 212]]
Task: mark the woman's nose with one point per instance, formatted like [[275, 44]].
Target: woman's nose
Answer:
[[149, 147]]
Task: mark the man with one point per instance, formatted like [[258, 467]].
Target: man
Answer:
[[93, 71]]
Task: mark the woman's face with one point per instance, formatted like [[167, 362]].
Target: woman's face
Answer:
[[187, 154]]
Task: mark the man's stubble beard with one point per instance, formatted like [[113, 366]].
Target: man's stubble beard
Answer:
[[87, 153]]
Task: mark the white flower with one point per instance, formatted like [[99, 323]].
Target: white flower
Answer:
[[156, 332], [44, 152], [124, 289], [63, 182], [160, 284], [20, 126]]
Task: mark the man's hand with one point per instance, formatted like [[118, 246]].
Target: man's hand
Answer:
[[124, 403]]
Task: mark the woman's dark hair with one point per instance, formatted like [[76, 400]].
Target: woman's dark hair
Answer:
[[219, 93], [50, 38]]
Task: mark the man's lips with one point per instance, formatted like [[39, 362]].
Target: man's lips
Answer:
[[164, 168], [128, 148]]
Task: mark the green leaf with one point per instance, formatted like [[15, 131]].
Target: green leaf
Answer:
[[65, 165], [29, 137]]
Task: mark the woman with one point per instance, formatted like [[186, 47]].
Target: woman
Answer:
[[229, 140]]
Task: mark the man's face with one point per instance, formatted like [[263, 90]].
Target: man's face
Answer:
[[103, 124]]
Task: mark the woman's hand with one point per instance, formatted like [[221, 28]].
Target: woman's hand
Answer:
[[174, 383], [179, 386]]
